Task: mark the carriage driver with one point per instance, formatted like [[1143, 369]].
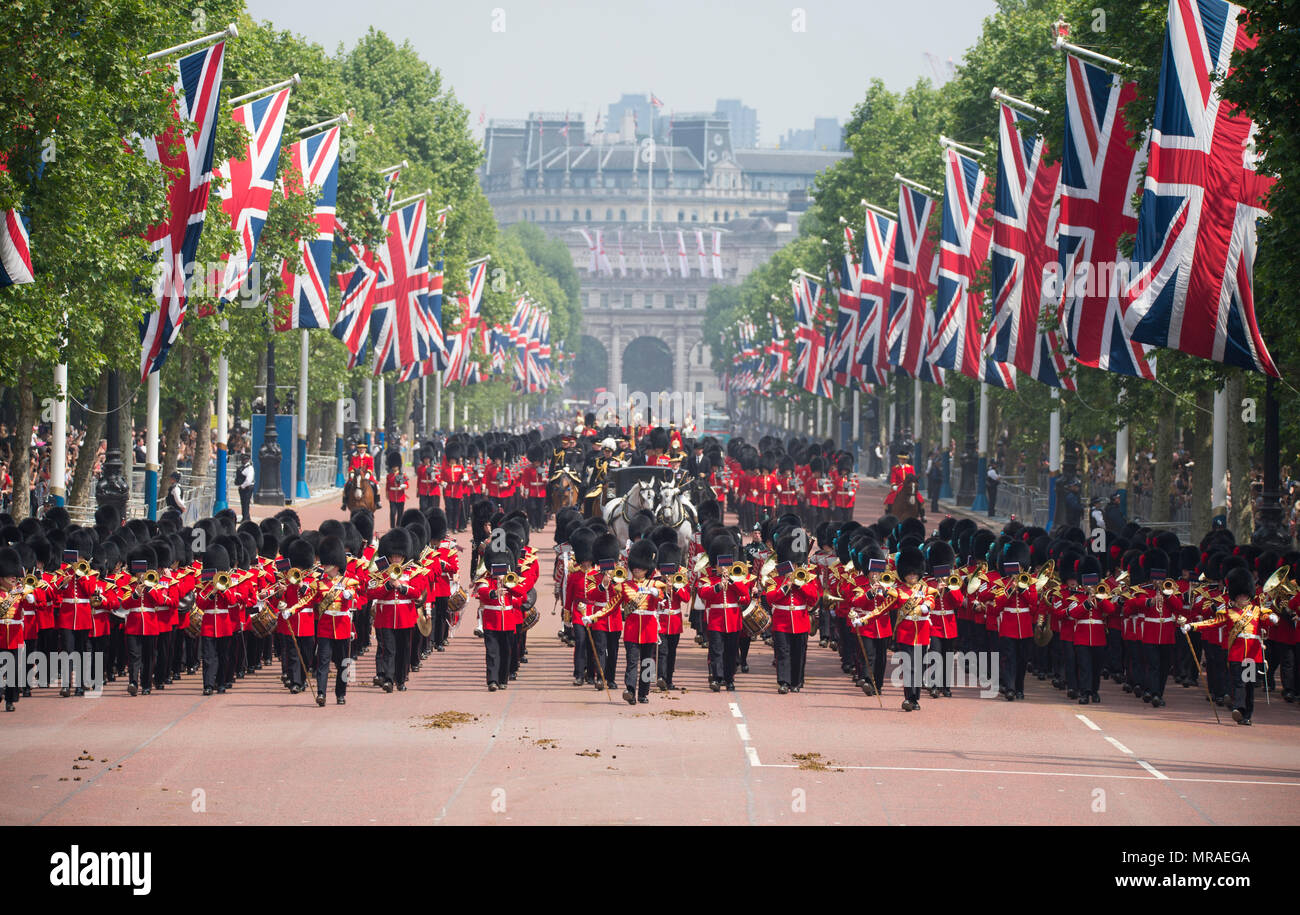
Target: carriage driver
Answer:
[[898, 475], [362, 462]]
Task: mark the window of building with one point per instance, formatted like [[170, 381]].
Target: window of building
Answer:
[[726, 217], [699, 387], [627, 300], [681, 216], [604, 300], [622, 215], [692, 300], [575, 215], [588, 215], [668, 300], [609, 215], [695, 216], [715, 215], [546, 215]]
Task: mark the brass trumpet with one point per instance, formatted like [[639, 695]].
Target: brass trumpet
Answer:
[[888, 578], [953, 582], [738, 571], [1102, 592], [1168, 587], [220, 582], [510, 579], [801, 576], [679, 579]]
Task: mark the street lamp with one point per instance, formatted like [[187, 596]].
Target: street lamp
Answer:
[[269, 489], [112, 488]]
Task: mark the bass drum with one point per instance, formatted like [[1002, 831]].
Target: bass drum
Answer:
[[531, 617]]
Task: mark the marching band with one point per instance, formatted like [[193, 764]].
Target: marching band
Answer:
[[901, 605]]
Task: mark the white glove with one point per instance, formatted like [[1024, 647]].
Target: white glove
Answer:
[[285, 614], [586, 620], [347, 594], [261, 605], [1186, 627]]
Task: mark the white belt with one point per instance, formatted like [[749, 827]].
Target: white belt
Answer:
[[644, 612], [493, 607], [338, 613], [725, 607], [1159, 619], [226, 610], [1246, 635], [75, 600], [1083, 622], [1015, 610], [15, 622], [943, 612], [790, 608], [389, 603], [677, 612]]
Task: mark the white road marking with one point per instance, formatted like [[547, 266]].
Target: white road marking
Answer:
[[753, 757], [1153, 770], [735, 709], [1088, 721], [743, 732], [1140, 778], [1117, 745]]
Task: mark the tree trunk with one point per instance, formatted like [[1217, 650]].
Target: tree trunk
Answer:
[[1240, 517], [1202, 456], [1162, 476], [408, 422], [199, 469], [20, 463], [171, 444], [84, 475]]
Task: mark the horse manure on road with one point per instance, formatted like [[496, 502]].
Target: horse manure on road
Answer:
[[444, 720]]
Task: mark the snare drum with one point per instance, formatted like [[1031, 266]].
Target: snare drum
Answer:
[[531, 618], [194, 626], [262, 623], [755, 620]]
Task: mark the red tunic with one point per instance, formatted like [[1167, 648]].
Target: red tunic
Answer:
[[640, 625], [792, 605], [724, 600], [672, 607]]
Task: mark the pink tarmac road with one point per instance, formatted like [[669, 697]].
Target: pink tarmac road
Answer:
[[546, 752]]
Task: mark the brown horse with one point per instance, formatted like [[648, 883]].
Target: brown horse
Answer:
[[905, 502], [360, 492], [562, 490]]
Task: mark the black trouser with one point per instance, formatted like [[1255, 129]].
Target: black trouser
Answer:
[[641, 667], [454, 509], [428, 503], [1089, 659], [1216, 670], [743, 646], [668, 657], [519, 646], [992, 490], [332, 651], [1133, 664], [581, 652], [1069, 664], [876, 659], [606, 646], [791, 650], [942, 650], [76, 641], [536, 512], [162, 667], [395, 510], [416, 648], [361, 621], [1241, 681], [1157, 659], [1014, 659], [936, 487], [915, 668], [441, 621], [116, 647], [216, 660], [12, 673], [245, 497], [824, 624], [496, 643], [393, 659], [1114, 651], [724, 649], [1281, 658], [140, 652]]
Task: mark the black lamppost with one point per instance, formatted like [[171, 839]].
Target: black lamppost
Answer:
[[1270, 524], [111, 488], [970, 457], [269, 489]]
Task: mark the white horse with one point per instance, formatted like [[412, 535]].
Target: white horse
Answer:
[[676, 511], [618, 513]]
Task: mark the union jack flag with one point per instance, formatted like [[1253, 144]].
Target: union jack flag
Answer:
[[358, 273], [681, 254], [875, 282], [307, 280], [187, 157], [964, 246], [390, 187], [591, 250], [913, 283], [1196, 226], [15, 250], [249, 181], [1099, 174], [841, 344], [397, 318], [807, 295], [474, 300], [1023, 256]]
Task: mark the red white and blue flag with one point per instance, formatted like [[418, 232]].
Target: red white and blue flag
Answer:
[[307, 279], [1196, 232], [397, 318], [1099, 176], [15, 248], [875, 282], [915, 268], [841, 342], [964, 246], [248, 182], [357, 276], [1023, 256], [184, 152]]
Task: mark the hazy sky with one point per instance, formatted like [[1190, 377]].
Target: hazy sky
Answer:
[[555, 55]]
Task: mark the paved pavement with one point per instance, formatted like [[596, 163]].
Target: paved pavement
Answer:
[[546, 752]]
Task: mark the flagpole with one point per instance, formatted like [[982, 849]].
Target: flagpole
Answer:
[[1060, 44], [229, 31], [1054, 455], [294, 80], [437, 401], [221, 501], [304, 358], [151, 448], [342, 120], [339, 480], [916, 422], [451, 410], [381, 428], [981, 502], [59, 435], [1219, 464], [1121, 454], [999, 96]]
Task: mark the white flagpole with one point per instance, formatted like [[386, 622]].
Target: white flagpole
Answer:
[[366, 414], [304, 360], [223, 426], [229, 31], [151, 448], [59, 436], [1219, 462]]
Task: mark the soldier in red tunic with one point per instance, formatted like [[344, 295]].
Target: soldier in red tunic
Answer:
[[426, 480], [12, 597], [673, 606], [395, 487], [640, 599], [604, 619], [1246, 621], [500, 593], [1015, 606], [913, 599], [939, 560], [335, 602], [793, 592], [395, 602], [533, 480], [725, 597]]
